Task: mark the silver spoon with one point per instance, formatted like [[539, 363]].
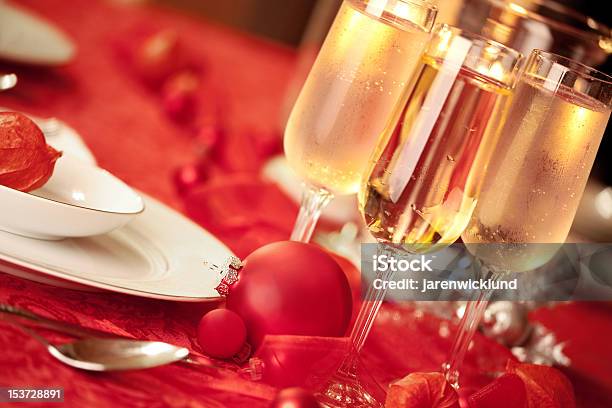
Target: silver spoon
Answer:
[[9, 313], [100, 354]]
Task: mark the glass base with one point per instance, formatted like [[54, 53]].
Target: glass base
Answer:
[[344, 391]]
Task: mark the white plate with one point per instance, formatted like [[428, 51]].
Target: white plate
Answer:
[[79, 200], [26, 38], [160, 255]]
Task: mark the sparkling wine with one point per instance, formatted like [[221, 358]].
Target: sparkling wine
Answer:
[[537, 175], [422, 188], [360, 75]]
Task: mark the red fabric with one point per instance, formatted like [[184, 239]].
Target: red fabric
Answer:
[[125, 125], [545, 386], [422, 390], [509, 385]]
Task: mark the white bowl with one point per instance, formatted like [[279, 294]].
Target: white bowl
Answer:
[[29, 39], [79, 200]]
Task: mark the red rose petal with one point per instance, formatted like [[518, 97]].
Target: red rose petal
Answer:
[[422, 390]]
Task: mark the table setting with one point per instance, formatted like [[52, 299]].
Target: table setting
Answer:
[[180, 227]]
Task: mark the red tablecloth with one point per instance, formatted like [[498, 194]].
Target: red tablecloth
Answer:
[[124, 125]]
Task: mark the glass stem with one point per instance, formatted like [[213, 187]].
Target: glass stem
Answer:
[[370, 306], [474, 311], [314, 199], [368, 311]]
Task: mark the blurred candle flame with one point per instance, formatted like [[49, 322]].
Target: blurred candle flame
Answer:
[[518, 9], [402, 10], [603, 203], [497, 71], [445, 38]]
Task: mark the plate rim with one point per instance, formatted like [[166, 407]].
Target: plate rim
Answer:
[[37, 269]]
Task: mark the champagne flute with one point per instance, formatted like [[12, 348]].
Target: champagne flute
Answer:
[[361, 74], [536, 176], [420, 191]]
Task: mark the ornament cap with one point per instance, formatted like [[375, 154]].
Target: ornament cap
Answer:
[[229, 272], [243, 355]]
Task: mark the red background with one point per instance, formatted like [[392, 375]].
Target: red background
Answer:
[[123, 124]]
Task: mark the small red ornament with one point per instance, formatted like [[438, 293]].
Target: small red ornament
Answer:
[[221, 333], [160, 55], [266, 143], [187, 177], [209, 134], [291, 288], [295, 397], [179, 96]]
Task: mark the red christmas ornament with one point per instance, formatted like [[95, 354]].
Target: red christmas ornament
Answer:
[[209, 134], [160, 55], [187, 177], [265, 143], [221, 333], [179, 96], [294, 398], [291, 288]]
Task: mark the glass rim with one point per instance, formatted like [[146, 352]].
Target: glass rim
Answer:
[[595, 28], [428, 10], [424, 4], [421, 3], [517, 55], [572, 65]]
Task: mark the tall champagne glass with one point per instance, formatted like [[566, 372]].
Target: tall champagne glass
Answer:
[[419, 192], [361, 74], [536, 176]]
